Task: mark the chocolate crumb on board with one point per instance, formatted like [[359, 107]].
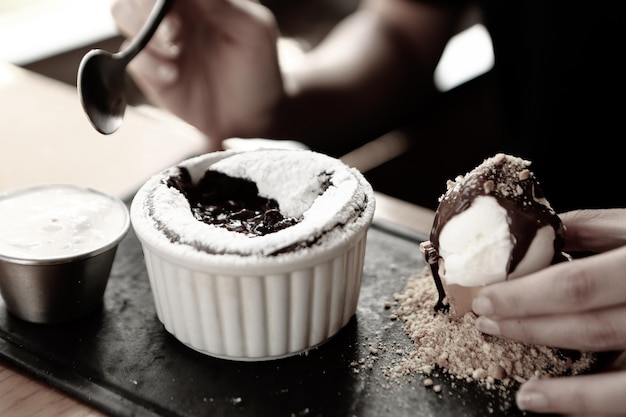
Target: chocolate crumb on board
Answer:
[[455, 347]]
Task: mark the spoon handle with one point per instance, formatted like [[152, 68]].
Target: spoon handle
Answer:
[[142, 38]]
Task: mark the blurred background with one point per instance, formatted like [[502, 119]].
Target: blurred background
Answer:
[[51, 36]]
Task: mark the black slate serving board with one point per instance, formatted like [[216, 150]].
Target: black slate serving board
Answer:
[[122, 361]]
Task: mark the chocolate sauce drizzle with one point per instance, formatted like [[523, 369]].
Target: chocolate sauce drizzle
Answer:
[[516, 189]]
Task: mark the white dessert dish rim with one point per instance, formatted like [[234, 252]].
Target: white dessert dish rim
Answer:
[[225, 262]]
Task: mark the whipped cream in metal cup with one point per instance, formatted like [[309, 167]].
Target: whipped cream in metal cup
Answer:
[[57, 246]]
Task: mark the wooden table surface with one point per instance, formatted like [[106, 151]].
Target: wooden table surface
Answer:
[[46, 138]]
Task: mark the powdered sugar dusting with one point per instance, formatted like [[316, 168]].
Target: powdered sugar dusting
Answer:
[[331, 198], [294, 179]]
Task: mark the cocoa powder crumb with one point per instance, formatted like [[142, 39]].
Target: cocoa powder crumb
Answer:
[[456, 347]]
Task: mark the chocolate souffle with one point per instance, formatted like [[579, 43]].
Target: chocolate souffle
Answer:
[[254, 255]]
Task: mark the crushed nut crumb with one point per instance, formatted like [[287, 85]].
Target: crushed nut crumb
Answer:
[[457, 347]]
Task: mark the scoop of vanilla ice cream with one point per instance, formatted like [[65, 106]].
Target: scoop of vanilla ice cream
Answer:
[[476, 246], [492, 224]]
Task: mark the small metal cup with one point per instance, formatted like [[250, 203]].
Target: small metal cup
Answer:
[[59, 289], [55, 291]]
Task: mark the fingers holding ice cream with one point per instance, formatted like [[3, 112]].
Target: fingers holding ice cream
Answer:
[[492, 224]]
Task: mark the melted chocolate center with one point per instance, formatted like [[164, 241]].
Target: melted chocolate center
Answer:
[[231, 203]]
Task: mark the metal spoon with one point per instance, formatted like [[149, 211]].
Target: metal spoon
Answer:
[[101, 76]]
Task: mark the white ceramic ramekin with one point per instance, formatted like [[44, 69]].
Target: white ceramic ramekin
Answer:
[[254, 307]]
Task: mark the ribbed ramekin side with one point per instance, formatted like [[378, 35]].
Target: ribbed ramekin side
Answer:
[[257, 317]]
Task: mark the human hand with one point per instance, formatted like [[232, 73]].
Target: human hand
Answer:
[[574, 305], [213, 63]]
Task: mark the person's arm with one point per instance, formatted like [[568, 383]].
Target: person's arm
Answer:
[[217, 68], [375, 68]]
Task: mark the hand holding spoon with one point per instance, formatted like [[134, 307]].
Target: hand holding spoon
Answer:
[[101, 76]]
